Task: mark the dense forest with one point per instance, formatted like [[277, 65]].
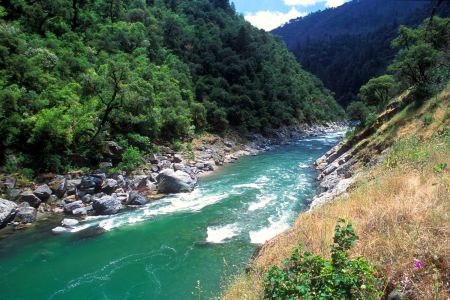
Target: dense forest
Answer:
[[348, 45], [75, 73]]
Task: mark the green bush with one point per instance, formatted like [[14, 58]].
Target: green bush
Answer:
[[427, 119], [308, 276], [131, 160]]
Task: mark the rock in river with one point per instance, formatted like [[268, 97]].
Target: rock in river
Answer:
[[43, 192], [30, 198], [7, 211], [26, 214], [107, 205], [170, 181]]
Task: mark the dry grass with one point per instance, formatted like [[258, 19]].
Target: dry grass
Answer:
[[400, 210]]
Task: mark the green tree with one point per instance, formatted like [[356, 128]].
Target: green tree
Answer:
[[378, 90]]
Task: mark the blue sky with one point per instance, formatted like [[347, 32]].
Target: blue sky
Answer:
[[269, 14]]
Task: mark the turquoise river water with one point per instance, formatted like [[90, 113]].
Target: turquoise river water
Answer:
[[168, 248]]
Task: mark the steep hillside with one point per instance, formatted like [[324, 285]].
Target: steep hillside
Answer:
[[390, 179], [398, 203], [348, 45], [76, 73]]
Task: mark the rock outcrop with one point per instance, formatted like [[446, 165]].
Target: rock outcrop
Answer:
[[171, 182], [107, 205], [7, 211]]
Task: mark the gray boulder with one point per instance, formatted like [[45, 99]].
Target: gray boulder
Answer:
[[10, 182], [71, 186], [43, 192], [30, 198], [89, 185], [170, 182], [112, 150], [59, 186], [136, 198], [107, 205], [109, 186], [70, 207], [26, 214], [7, 211]]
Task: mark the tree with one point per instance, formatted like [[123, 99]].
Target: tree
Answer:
[[378, 90], [111, 91]]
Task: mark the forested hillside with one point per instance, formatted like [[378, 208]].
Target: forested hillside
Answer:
[[74, 73], [348, 45]]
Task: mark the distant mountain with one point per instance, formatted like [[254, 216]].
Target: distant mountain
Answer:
[[348, 45]]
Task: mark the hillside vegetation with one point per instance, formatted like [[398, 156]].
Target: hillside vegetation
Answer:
[[399, 209], [398, 204], [74, 73], [348, 45]]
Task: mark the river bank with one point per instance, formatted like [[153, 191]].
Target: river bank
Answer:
[[391, 181], [203, 235], [80, 194]]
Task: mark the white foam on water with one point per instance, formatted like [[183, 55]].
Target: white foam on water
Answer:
[[80, 228], [219, 234], [263, 179], [192, 202], [263, 201], [263, 235], [247, 186], [303, 166]]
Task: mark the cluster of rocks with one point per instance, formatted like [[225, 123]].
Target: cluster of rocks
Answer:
[[94, 194], [168, 172]]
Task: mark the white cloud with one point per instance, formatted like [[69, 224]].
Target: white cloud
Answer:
[[334, 3], [328, 3], [301, 2], [269, 20]]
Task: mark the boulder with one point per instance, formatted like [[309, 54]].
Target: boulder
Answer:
[[123, 197], [109, 186], [70, 207], [107, 205], [71, 186], [30, 198], [153, 159], [177, 158], [26, 214], [89, 185], [112, 150], [105, 165], [14, 194], [59, 186], [200, 165], [170, 181], [43, 192], [164, 164], [10, 183], [7, 211], [87, 199], [82, 211], [136, 198]]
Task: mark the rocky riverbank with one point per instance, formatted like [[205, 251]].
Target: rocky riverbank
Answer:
[[78, 194]]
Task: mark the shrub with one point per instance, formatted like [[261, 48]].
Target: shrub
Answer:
[[308, 276], [131, 159]]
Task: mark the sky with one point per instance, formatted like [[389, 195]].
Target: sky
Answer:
[[270, 14]]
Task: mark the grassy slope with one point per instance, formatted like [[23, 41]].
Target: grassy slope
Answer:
[[400, 208]]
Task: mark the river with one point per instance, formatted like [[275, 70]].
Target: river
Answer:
[[174, 248]]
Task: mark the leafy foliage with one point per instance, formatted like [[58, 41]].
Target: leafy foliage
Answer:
[[421, 64], [308, 276], [74, 73]]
